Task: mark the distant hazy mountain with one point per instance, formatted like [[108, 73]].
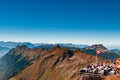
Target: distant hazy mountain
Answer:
[[14, 44], [31, 45], [62, 45], [116, 51], [113, 47], [3, 50], [106, 54], [6, 46]]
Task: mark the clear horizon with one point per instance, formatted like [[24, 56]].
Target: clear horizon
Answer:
[[63, 21]]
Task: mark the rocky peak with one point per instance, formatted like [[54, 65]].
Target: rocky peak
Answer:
[[97, 46], [56, 47]]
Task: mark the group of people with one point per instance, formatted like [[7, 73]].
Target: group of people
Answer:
[[103, 69]]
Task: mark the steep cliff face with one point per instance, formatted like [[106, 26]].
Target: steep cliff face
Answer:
[[16, 60], [55, 64]]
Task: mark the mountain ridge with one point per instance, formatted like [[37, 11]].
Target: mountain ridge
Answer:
[[9, 45], [20, 61], [88, 49]]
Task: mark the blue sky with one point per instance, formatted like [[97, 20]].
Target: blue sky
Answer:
[[60, 21]]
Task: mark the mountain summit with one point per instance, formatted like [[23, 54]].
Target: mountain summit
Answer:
[[97, 46], [56, 47]]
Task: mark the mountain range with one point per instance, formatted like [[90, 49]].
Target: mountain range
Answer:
[[6, 46], [24, 63], [56, 63], [106, 53]]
